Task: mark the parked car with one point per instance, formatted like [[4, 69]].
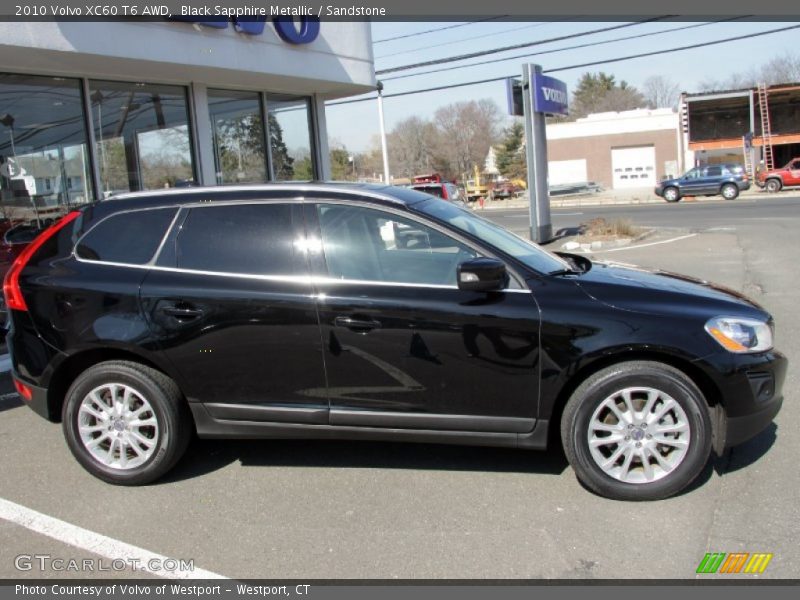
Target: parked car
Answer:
[[507, 189], [444, 190], [725, 180], [376, 313], [777, 179]]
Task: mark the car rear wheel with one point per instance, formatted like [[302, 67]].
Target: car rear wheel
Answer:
[[729, 191], [637, 431], [774, 185], [126, 423], [672, 194]]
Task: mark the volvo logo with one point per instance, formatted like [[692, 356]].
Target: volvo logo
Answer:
[[304, 31]]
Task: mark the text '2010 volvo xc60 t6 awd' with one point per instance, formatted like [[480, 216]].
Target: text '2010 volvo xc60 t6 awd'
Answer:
[[379, 313]]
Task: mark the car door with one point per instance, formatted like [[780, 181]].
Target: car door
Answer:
[[231, 302], [693, 182], [793, 175], [712, 179], [404, 347]]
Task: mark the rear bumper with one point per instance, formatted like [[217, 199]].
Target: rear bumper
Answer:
[[38, 400]]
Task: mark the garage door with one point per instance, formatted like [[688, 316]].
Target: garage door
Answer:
[[566, 171], [633, 167]]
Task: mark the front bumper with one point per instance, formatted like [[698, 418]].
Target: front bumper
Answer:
[[752, 396]]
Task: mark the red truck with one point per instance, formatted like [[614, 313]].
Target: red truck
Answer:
[[777, 179]]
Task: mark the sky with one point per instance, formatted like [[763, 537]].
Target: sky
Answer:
[[356, 126]]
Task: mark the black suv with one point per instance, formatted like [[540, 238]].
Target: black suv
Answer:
[[379, 313], [725, 180]]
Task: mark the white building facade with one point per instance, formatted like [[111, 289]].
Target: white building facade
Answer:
[[618, 150]]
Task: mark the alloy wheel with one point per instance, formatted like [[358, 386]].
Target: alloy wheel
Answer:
[[118, 426], [639, 435]]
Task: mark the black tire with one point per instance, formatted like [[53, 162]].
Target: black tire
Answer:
[[773, 185], [171, 413], [586, 399], [672, 194], [729, 191]]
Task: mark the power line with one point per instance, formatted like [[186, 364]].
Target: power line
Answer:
[[408, 35], [471, 38], [578, 66], [554, 50], [440, 61]]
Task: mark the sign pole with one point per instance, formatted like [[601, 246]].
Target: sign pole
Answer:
[[541, 228]]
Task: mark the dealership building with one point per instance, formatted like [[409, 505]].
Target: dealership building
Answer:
[[92, 109], [618, 150]]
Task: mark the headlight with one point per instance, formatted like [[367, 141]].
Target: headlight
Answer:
[[740, 335]]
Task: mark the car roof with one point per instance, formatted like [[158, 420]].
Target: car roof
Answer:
[[378, 193]]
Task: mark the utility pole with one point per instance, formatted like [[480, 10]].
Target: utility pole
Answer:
[[383, 135]]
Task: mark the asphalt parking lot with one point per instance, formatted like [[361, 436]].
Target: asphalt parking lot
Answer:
[[306, 509]]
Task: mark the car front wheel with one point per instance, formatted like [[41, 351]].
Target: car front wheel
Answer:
[[729, 191], [672, 194], [637, 431], [774, 185], [126, 423]]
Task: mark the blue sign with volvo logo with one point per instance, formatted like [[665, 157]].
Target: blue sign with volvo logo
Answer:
[[285, 27], [550, 95]]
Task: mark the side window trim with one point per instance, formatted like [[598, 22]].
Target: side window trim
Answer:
[[319, 266]]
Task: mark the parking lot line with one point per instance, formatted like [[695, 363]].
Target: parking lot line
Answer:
[[99, 544]]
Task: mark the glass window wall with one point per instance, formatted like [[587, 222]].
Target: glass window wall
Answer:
[[44, 158]]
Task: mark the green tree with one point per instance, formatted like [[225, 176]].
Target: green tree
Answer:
[[341, 167], [600, 92], [282, 162], [511, 152]]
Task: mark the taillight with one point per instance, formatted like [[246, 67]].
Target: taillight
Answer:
[[14, 299]]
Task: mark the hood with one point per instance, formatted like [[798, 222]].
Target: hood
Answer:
[[654, 291], [664, 182]]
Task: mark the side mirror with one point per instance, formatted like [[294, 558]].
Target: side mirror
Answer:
[[482, 275]]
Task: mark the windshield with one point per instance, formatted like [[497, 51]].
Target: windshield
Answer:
[[532, 255]]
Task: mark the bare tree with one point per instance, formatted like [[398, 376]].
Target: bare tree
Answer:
[[410, 144], [783, 68], [466, 132], [660, 92]]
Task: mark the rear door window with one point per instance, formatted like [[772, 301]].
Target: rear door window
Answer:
[[252, 239], [130, 238]]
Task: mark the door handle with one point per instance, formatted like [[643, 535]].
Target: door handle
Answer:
[[182, 311], [357, 325]]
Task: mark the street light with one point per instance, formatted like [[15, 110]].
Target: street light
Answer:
[[383, 134]]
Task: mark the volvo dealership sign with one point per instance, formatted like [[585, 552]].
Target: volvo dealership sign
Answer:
[[550, 95], [536, 96], [304, 31]]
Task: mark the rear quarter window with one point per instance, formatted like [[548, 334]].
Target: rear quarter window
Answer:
[[130, 238]]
